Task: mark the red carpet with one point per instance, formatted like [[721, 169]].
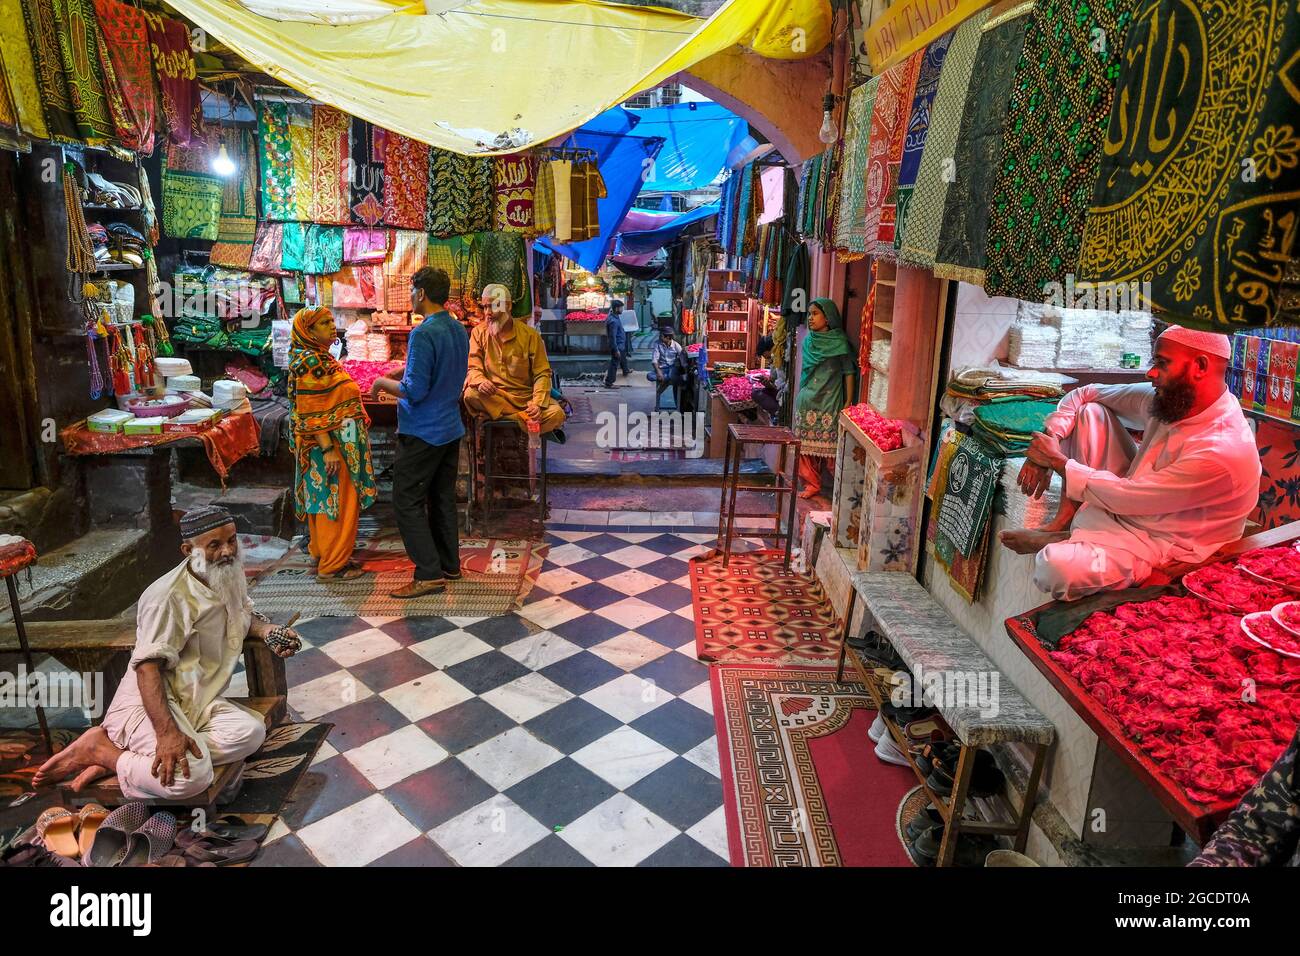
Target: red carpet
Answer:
[[753, 612], [801, 785]]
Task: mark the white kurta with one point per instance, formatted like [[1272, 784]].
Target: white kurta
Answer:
[[181, 622], [1187, 491]]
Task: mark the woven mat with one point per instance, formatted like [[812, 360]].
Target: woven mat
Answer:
[[582, 413], [497, 576]]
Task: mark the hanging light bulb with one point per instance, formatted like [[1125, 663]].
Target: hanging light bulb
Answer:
[[222, 165], [828, 133]]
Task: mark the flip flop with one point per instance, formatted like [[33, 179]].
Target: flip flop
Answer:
[[150, 843], [92, 816], [114, 834], [233, 828], [57, 829], [207, 847]]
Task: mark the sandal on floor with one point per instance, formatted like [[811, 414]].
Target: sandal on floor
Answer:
[[114, 835], [57, 828], [231, 827], [349, 572], [92, 815], [206, 847], [151, 842]]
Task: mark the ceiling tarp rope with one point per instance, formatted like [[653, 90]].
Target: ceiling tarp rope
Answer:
[[493, 76]]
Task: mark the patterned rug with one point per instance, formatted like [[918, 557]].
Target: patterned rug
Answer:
[[753, 612], [910, 807], [497, 575], [271, 774], [800, 784]]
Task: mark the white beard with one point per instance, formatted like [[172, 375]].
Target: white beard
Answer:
[[227, 581]]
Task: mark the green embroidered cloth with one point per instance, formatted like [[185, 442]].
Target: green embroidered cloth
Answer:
[[499, 257], [850, 220], [51, 83], [1198, 195], [967, 499], [191, 203], [78, 32], [1060, 108], [275, 156], [960, 253]]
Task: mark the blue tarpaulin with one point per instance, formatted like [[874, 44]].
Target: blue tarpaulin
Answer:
[[647, 241], [622, 160], [698, 137]]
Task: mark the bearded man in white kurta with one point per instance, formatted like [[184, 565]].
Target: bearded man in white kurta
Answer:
[[168, 727], [1128, 509]]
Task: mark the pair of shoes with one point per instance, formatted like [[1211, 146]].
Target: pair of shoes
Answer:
[[349, 572], [209, 846], [877, 728], [986, 779], [130, 837], [971, 848], [448, 576], [927, 819], [556, 435], [888, 752], [419, 589], [70, 834]]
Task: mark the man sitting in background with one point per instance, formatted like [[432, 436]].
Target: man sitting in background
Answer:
[[665, 363], [168, 727], [1127, 509], [509, 373]]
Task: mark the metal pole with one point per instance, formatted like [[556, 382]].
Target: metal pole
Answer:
[[27, 656]]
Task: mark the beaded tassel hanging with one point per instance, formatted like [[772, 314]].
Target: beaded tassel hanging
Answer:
[[164, 342], [97, 385], [81, 252], [119, 362], [143, 360]]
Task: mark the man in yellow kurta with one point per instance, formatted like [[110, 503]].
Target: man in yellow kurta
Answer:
[[509, 373]]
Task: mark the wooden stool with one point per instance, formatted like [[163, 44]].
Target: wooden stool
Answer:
[[480, 433], [15, 556], [738, 436]]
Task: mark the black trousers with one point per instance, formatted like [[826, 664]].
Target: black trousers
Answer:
[[424, 497], [617, 360]]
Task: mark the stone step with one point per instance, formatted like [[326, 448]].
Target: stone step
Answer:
[[258, 509]]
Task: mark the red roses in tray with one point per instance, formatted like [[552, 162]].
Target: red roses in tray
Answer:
[[1277, 565], [1232, 588], [886, 433], [1210, 706]]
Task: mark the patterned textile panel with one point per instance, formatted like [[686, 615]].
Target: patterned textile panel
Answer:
[[918, 128], [850, 223]]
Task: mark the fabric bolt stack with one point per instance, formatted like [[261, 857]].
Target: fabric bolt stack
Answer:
[[1007, 426], [987, 384], [1135, 332], [1021, 510], [1079, 334], [1032, 345]]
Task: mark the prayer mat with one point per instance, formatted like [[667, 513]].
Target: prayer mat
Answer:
[[301, 139], [20, 70], [274, 771], [410, 253], [966, 499], [406, 182], [330, 182], [237, 228], [918, 128], [924, 210], [850, 223], [275, 155], [453, 256], [191, 202], [178, 83], [795, 762], [755, 613], [887, 118], [516, 178], [884, 245], [462, 190], [126, 58], [1055, 127], [496, 578], [52, 84], [978, 154], [965, 574], [500, 257], [366, 180], [78, 51], [1198, 199]]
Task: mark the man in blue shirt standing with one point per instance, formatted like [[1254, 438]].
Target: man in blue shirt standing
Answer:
[[429, 430], [617, 343]]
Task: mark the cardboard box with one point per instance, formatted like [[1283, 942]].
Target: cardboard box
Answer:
[[192, 420], [144, 426], [109, 421], [1281, 370]]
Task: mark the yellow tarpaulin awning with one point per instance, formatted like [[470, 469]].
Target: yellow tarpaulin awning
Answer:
[[492, 76]]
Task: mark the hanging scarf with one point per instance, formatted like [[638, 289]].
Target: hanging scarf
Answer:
[[868, 319], [918, 128], [178, 81], [330, 182], [366, 172], [20, 70], [461, 192], [301, 138], [276, 159], [820, 346], [78, 52], [888, 119], [127, 62], [851, 217], [43, 33], [238, 225], [406, 182], [515, 176]]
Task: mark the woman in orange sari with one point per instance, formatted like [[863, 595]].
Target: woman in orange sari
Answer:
[[334, 480]]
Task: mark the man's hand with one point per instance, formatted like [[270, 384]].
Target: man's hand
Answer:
[[288, 651], [533, 411], [1034, 479], [380, 385], [486, 388], [1045, 450], [169, 756]]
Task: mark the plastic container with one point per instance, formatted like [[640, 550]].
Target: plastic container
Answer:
[[168, 407]]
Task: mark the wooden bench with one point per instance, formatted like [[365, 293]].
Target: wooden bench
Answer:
[[106, 791], [105, 647], [930, 642]]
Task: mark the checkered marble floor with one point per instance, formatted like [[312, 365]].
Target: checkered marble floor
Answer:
[[577, 731]]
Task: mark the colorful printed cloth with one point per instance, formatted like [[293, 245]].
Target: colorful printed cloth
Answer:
[[461, 194], [500, 257], [301, 140], [322, 250], [52, 84], [410, 252], [453, 256], [1198, 195], [20, 70], [358, 287], [888, 122], [275, 155], [1055, 126], [178, 79], [191, 199], [918, 128], [366, 183], [406, 182], [268, 250], [850, 221], [924, 210], [884, 246], [978, 153], [79, 43], [365, 245], [238, 225], [516, 178], [544, 199], [127, 62], [330, 182]]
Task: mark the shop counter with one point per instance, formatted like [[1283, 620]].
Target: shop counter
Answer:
[[232, 438]]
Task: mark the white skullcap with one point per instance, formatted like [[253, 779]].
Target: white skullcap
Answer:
[[1205, 343]]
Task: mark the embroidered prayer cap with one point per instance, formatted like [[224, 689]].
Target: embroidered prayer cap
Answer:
[[202, 520], [1205, 343]]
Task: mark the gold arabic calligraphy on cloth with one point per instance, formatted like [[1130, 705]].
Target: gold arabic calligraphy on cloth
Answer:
[[1199, 189]]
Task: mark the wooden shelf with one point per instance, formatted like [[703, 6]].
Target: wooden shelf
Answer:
[[1272, 417]]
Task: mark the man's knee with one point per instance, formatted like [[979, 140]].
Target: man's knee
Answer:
[[1056, 569], [200, 778]]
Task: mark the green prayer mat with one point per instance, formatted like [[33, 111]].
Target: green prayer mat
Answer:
[[967, 497], [1198, 195], [191, 203]]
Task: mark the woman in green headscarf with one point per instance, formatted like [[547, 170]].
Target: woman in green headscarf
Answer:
[[827, 379]]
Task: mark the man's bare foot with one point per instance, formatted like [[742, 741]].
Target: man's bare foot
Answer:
[[91, 749], [89, 776], [1025, 541]]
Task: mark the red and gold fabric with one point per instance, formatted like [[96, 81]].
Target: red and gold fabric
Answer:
[[126, 58], [178, 78], [330, 183], [516, 178], [406, 182]]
